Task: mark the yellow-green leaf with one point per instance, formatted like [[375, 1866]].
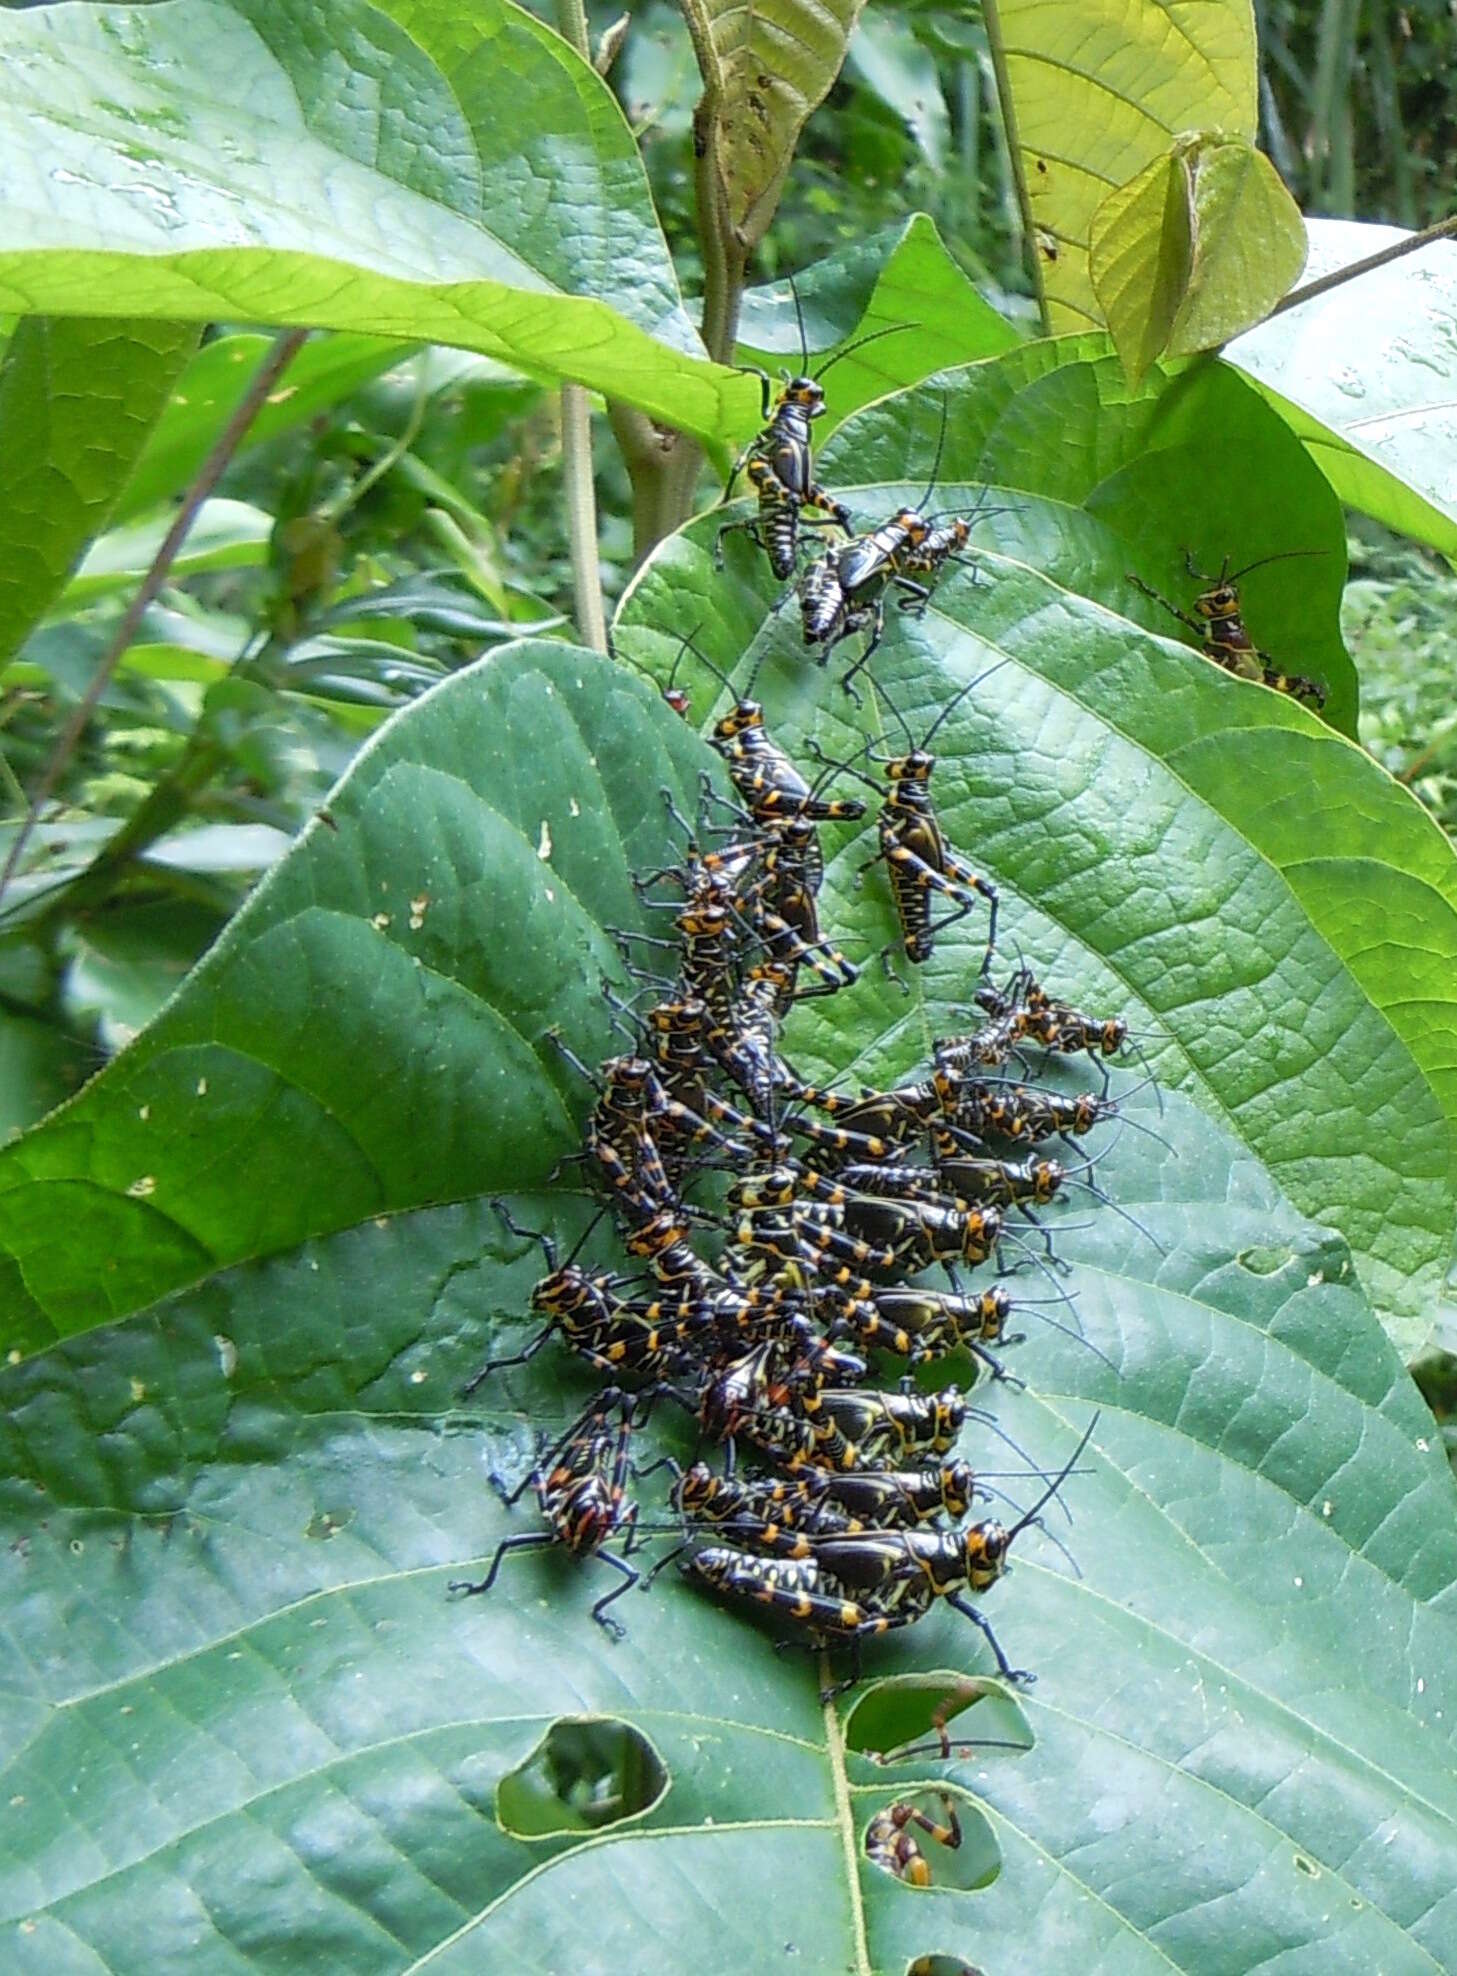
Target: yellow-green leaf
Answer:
[[1140, 253], [1198, 246], [1249, 244], [1099, 90]]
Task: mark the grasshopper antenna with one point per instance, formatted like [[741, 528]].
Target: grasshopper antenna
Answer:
[[936, 462], [707, 663], [849, 349], [1031, 1515], [1227, 575], [955, 701], [880, 689], [799, 319], [1034, 1467]]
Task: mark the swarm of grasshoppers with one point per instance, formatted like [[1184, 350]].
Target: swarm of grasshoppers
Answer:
[[825, 1287], [782, 1238]]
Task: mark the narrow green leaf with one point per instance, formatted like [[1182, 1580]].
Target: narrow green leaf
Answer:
[[1281, 914], [208, 392], [226, 535], [461, 179], [1139, 78], [78, 397], [1366, 374]]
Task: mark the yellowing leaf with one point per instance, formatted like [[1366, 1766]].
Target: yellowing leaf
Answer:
[[1099, 91], [1140, 254], [1249, 245], [1195, 249]]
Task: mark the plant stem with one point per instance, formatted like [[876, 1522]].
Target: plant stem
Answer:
[[581, 493], [1338, 277], [997, 45], [285, 347], [582, 515]]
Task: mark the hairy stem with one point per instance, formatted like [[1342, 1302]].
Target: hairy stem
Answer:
[[285, 346]]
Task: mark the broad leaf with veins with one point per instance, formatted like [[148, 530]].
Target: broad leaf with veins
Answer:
[[408, 171], [248, 1726]]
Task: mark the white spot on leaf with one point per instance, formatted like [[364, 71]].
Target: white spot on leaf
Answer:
[[227, 1353], [144, 1185]]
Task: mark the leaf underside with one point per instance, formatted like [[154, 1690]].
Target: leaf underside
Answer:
[[454, 180]]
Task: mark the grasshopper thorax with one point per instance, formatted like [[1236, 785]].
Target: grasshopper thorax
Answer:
[[564, 1291], [776, 1187], [586, 1516]]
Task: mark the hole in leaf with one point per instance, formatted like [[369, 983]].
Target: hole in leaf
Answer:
[[933, 1839], [324, 1524], [1265, 1262], [941, 1965], [1304, 1865], [902, 1719], [586, 1773]]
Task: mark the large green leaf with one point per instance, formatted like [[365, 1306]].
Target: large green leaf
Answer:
[[247, 1726], [1099, 90], [1282, 916], [902, 280], [78, 397], [408, 171], [1365, 376], [495, 796]]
